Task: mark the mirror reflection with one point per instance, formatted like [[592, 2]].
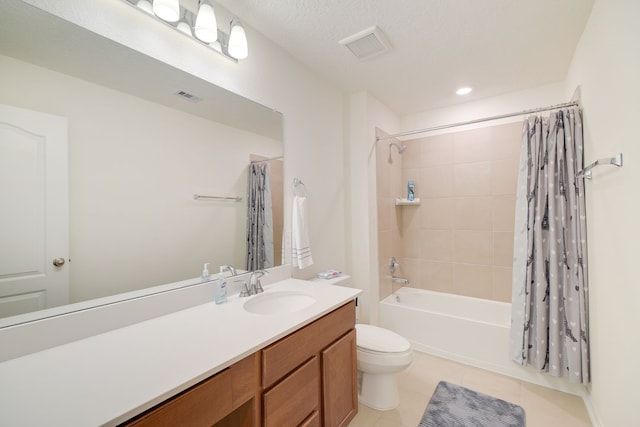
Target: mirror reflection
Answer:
[[138, 152]]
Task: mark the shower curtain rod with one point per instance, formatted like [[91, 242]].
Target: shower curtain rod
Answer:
[[484, 119]]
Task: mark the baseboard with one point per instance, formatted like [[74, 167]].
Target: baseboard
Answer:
[[591, 410]]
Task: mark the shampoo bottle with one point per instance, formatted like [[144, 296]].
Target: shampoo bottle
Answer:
[[411, 190], [221, 290]]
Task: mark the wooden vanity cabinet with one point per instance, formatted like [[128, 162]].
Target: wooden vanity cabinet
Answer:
[[314, 369], [227, 398], [306, 379]]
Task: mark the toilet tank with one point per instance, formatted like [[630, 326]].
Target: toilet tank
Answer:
[[342, 280]]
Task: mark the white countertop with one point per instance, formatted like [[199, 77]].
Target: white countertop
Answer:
[[108, 378]]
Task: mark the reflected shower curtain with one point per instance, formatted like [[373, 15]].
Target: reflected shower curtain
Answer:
[[549, 321], [259, 218]]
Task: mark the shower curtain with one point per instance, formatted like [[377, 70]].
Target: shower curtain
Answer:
[[549, 326], [259, 218]]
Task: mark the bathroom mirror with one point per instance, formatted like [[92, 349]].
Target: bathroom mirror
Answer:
[[143, 139]]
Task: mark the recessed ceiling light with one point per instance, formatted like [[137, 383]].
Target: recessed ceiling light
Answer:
[[464, 90]]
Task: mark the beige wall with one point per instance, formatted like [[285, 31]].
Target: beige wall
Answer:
[[460, 238], [606, 66]]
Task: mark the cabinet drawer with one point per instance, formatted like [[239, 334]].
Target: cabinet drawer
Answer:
[[202, 405], [209, 401], [285, 355], [290, 402]]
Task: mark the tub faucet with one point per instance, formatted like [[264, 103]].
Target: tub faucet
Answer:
[[254, 281], [396, 279]]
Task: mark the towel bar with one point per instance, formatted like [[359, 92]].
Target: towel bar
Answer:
[[615, 160], [234, 198]]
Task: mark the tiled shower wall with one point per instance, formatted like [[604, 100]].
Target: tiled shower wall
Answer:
[[460, 238]]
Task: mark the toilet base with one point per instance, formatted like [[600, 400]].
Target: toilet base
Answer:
[[379, 391]]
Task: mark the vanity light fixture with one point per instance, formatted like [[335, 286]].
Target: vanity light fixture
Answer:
[[169, 10], [145, 5], [238, 41], [464, 90], [184, 25], [197, 19], [206, 28]]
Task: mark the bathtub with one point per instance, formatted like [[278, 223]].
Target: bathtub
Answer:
[[468, 330]]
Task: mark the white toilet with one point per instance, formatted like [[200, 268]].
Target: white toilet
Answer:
[[381, 354]]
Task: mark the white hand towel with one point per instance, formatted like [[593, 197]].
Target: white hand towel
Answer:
[[300, 247]]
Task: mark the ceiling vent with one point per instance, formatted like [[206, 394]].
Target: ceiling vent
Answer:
[[367, 43], [188, 96]]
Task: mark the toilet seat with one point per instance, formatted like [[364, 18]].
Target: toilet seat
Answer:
[[373, 339], [374, 361]]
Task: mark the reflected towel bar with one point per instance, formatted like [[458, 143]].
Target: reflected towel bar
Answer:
[[234, 198], [586, 172]]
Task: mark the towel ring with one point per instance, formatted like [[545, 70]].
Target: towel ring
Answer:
[[298, 183]]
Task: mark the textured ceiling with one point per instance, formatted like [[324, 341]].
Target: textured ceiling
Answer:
[[495, 46]]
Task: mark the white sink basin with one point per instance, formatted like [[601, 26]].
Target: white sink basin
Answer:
[[278, 302]]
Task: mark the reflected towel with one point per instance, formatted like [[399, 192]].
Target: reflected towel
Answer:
[[300, 247]]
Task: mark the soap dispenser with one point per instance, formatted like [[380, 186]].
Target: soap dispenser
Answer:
[[205, 273], [221, 290]]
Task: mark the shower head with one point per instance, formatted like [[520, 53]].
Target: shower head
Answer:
[[400, 148]]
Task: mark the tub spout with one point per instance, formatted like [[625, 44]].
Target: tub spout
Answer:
[[403, 280]]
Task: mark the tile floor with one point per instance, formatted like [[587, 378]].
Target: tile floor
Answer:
[[543, 407]]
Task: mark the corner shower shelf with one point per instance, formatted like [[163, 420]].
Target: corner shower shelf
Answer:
[[407, 202]]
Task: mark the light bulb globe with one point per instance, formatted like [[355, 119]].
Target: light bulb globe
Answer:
[[206, 28], [238, 47], [168, 10]]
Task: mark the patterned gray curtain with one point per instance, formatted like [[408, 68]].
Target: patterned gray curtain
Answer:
[[549, 326], [259, 218]]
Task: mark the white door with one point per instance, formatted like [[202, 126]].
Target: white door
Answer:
[[34, 226]]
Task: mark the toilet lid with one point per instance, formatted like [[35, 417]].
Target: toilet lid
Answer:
[[373, 338]]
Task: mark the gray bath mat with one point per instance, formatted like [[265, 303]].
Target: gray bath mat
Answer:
[[455, 406]]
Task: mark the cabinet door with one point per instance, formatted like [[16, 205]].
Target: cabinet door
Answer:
[[339, 389]]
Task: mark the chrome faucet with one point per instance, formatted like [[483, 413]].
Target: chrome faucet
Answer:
[[245, 290], [254, 281], [396, 279], [393, 266], [228, 268]]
